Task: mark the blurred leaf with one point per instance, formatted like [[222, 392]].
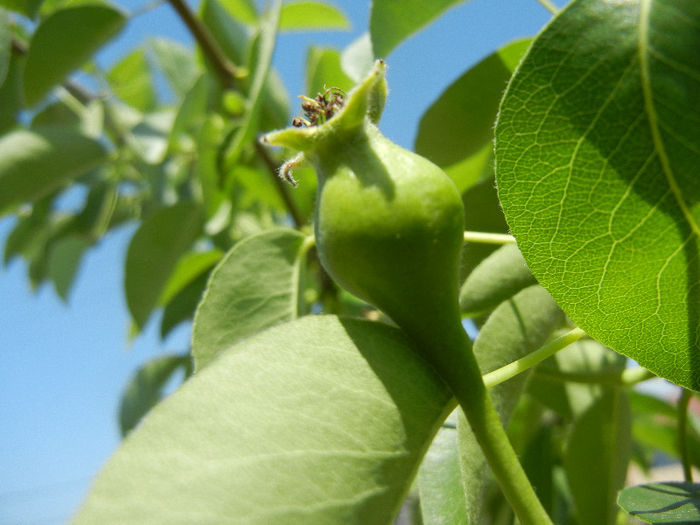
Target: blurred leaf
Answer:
[[586, 358], [57, 48], [191, 111], [516, 328], [457, 129], [35, 163], [358, 58], [265, 45], [655, 427], [56, 113], [391, 22], [484, 215], [597, 456], [145, 389], [323, 71], [439, 479], [255, 286], [130, 79], [178, 64], [231, 35], [538, 461], [274, 113], [498, 277], [11, 93], [668, 502], [307, 16], [188, 268], [28, 8], [242, 10], [183, 305], [30, 232], [597, 175], [64, 261], [5, 44], [153, 254], [149, 138], [354, 410]]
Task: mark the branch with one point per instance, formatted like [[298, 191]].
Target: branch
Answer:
[[223, 68]]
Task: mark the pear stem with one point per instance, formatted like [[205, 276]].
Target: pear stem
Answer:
[[457, 365]]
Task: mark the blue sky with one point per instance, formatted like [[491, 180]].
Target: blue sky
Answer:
[[64, 366]]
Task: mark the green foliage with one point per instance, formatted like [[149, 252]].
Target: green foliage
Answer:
[[299, 418], [591, 178], [257, 405]]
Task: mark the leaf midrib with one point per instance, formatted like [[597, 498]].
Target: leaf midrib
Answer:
[[643, 47]]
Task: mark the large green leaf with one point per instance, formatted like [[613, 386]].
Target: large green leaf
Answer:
[[153, 253], [64, 261], [130, 79], [321, 420], [35, 163], [669, 502], [57, 48], [177, 62], [392, 21], [597, 456], [457, 129], [145, 388], [517, 327], [255, 286], [306, 16], [500, 276], [597, 173], [439, 479]]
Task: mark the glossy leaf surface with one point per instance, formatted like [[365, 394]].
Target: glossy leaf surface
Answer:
[[255, 286], [597, 173], [57, 48], [321, 420], [35, 163], [669, 502]]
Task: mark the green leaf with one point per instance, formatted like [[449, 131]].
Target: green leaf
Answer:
[[597, 456], [242, 10], [357, 58], [321, 420], [64, 261], [153, 254], [5, 44], [57, 48], [183, 305], [498, 277], [145, 389], [191, 111], [35, 163], [130, 79], [439, 479], [583, 359], [231, 35], [28, 8], [265, 46], [178, 64], [597, 174], [668, 502], [391, 22], [188, 268], [517, 327], [457, 129], [11, 94], [150, 137], [323, 71], [254, 287], [307, 16]]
